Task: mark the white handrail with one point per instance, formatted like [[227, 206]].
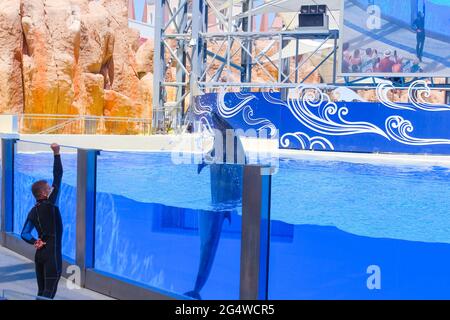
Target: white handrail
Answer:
[[143, 125]]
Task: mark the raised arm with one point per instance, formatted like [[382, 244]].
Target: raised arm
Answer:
[[57, 173]]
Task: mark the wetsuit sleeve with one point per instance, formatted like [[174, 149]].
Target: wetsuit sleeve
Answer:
[[424, 14], [26, 232], [57, 177]]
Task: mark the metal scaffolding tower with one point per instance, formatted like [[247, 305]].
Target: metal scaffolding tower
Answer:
[[204, 45]]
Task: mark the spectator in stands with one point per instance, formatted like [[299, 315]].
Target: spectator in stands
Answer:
[[346, 55], [376, 65], [416, 68], [386, 63], [397, 66], [368, 61], [356, 61]]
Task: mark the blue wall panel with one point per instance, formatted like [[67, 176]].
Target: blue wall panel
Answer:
[[386, 126]]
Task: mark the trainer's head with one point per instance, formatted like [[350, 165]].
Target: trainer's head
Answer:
[[41, 190], [421, 14]]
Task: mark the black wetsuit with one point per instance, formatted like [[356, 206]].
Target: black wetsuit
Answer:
[[46, 219], [419, 24]]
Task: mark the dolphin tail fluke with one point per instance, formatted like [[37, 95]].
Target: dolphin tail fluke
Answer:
[[194, 295], [200, 167]]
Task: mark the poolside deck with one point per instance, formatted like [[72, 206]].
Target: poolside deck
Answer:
[[17, 274]]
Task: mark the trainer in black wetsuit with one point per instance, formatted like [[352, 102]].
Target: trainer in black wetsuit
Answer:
[[419, 26], [46, 219]]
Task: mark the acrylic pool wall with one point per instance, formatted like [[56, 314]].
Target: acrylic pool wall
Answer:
[[338, 230], [156, 223]]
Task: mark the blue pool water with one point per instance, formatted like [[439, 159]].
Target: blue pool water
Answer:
[[158, 224], [441, 2], [340, 219], [399, 202]]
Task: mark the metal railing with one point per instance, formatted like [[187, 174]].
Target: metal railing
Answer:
[[83, 124]]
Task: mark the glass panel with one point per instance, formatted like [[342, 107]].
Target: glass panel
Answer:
[[359, 231], [167, 226], [33, 162]]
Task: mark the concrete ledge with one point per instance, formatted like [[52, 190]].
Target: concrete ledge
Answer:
[[156, 143], [124, 289]]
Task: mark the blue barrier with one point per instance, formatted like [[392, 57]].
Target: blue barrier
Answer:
[[318, 124]]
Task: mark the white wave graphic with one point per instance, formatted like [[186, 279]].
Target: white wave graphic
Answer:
[[267, 95], [243, 95], [400, 129], [228, 112], [247, 115], [306, 142], [200, 109], [417, 91], [327, 117], [382, 92], [247, 112], [206, 125]]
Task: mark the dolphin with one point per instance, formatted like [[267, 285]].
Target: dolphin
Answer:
[[226, 193], [225, 130]]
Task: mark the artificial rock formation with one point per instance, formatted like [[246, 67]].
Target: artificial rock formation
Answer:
[[11, 90], [71, 57], [51, 32], [144, 58]]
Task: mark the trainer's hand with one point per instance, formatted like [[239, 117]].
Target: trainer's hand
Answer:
[[39, 244], [55, 147]]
